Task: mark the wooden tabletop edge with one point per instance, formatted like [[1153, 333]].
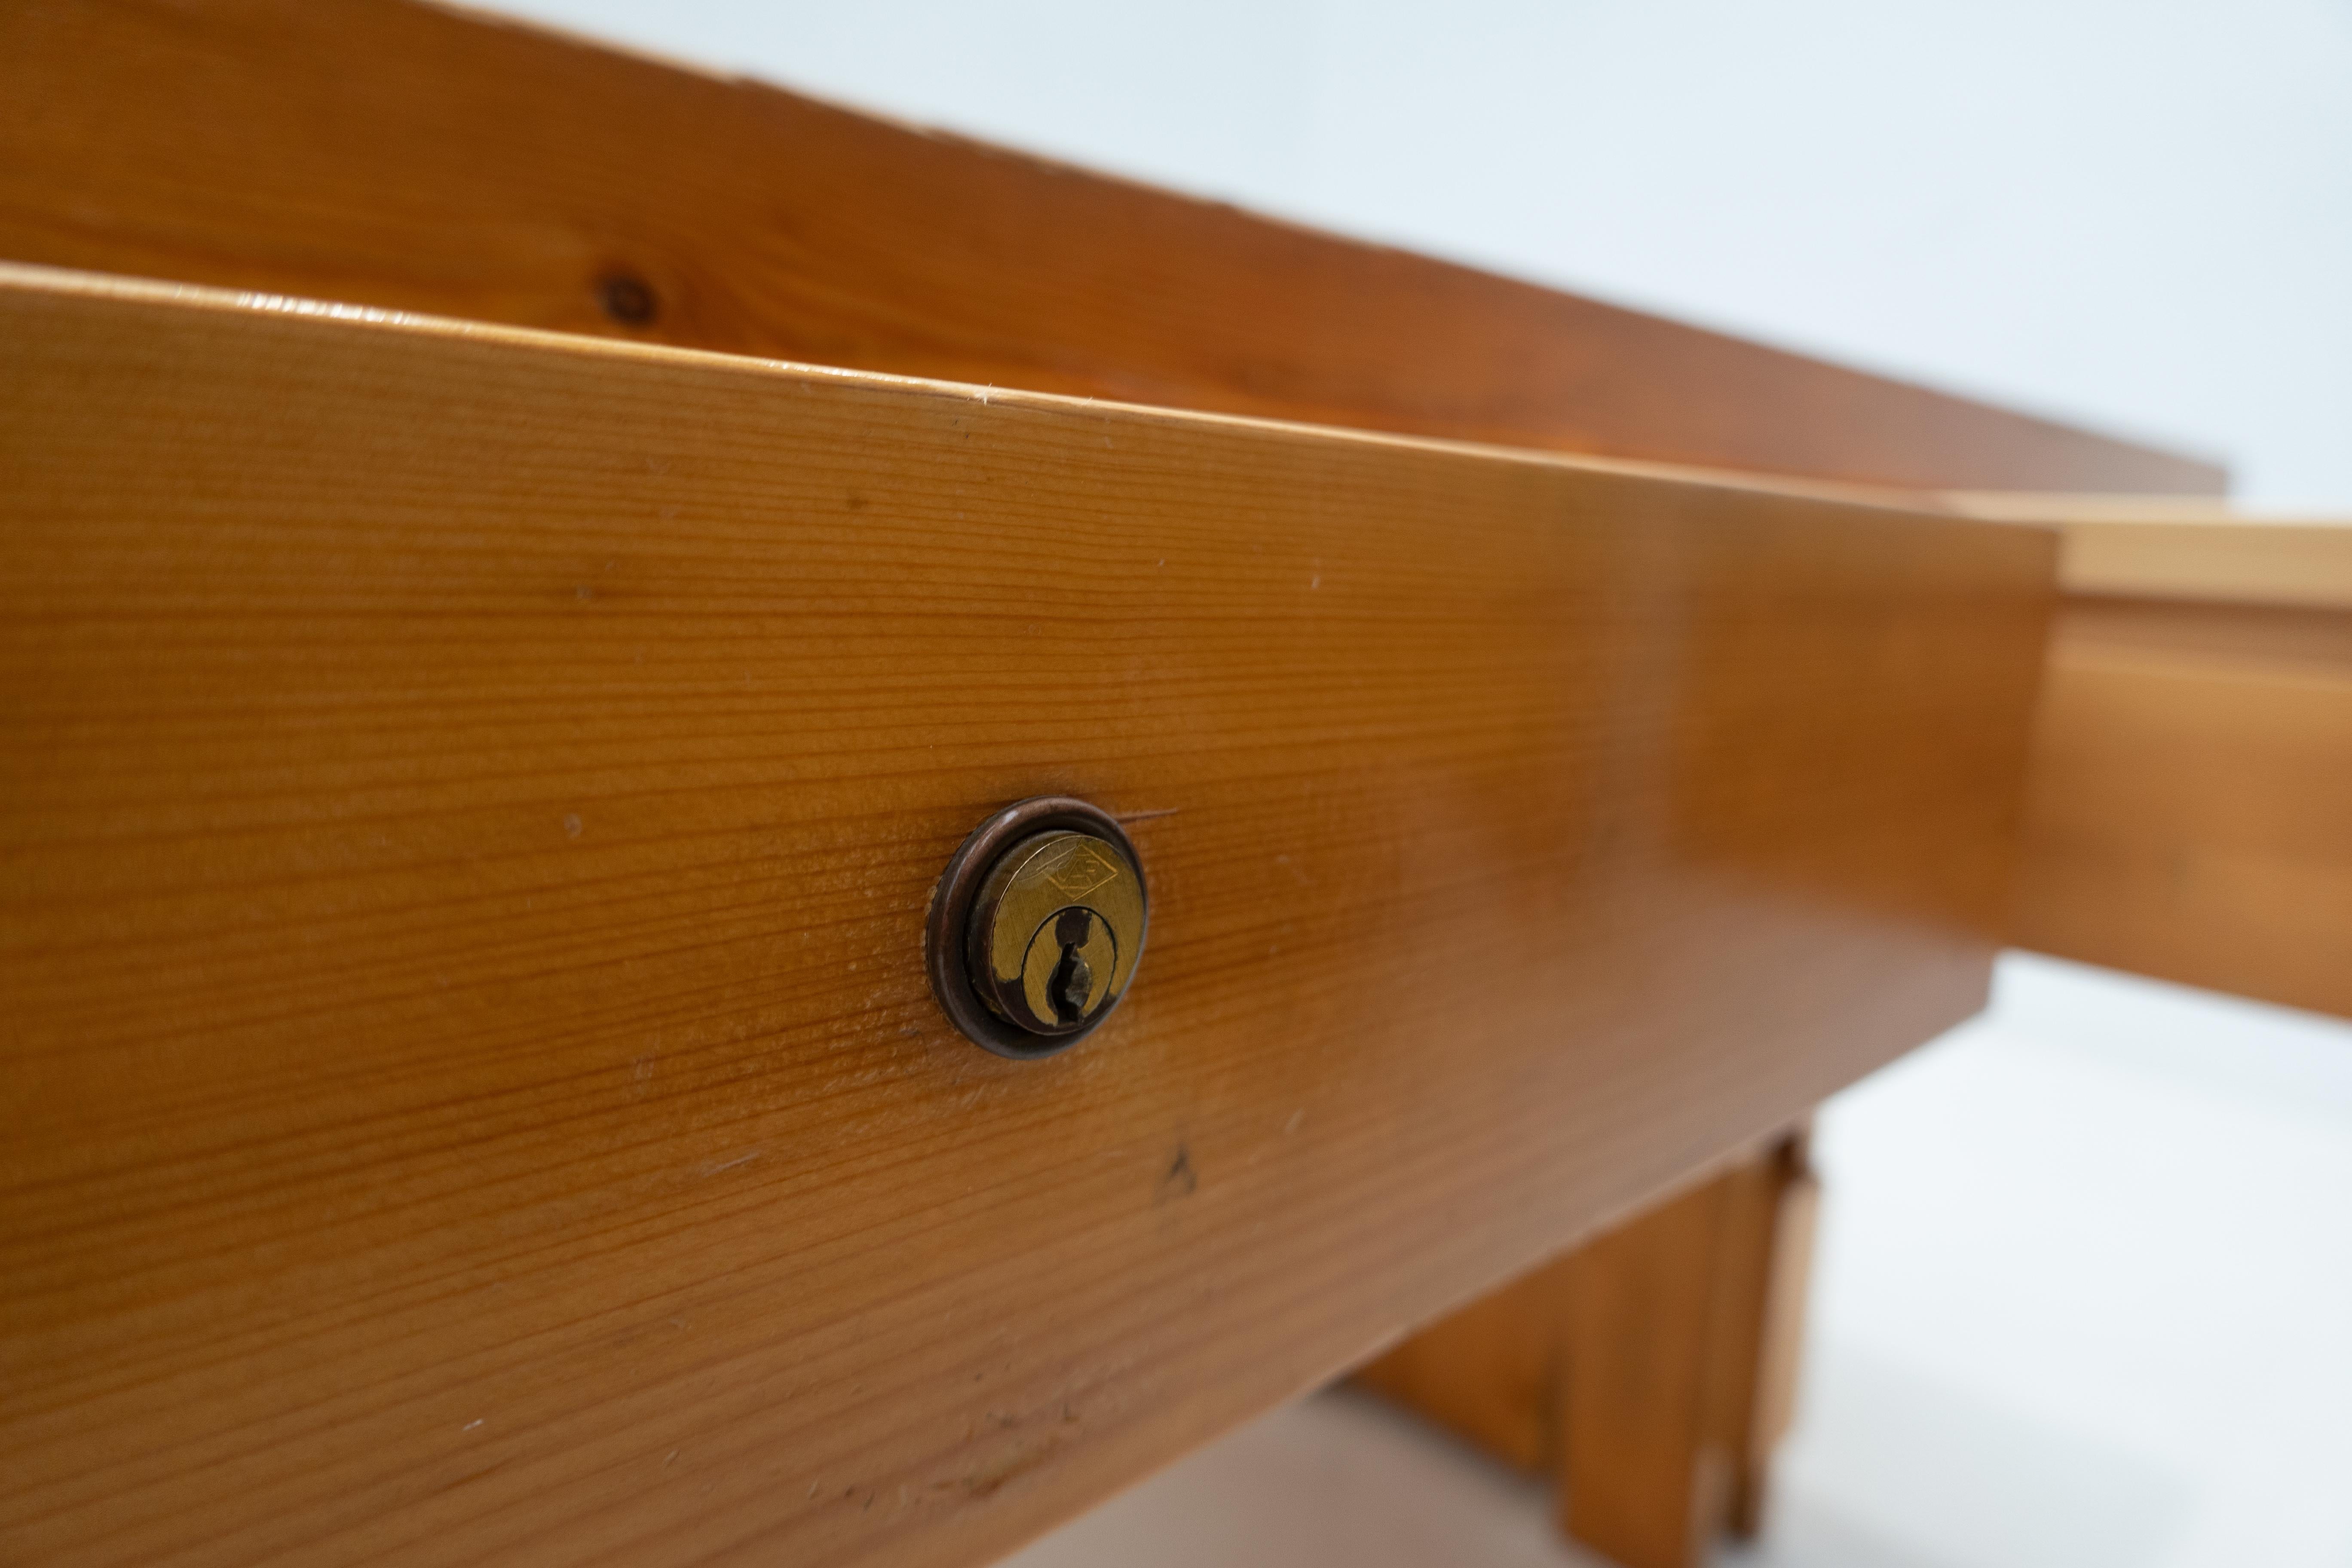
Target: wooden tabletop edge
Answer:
[[25, 280]]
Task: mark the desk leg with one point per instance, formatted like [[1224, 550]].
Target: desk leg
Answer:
[[1760, 1418], [1651, 1372]]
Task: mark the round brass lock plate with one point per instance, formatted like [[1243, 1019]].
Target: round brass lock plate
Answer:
[[1036, 927]]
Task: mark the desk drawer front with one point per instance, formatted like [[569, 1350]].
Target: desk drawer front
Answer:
[[471, 801]]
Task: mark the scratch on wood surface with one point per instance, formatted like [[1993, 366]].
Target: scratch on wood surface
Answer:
[[1018, 1460], [1180, 1181]]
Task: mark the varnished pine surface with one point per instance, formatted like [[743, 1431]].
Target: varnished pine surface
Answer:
[[1649, 1373], [2190, 810], [2298, 565], [470, 797], [395, 154], [2195, 552], [1490, 1372], [1645, 1482], [2190, 814]]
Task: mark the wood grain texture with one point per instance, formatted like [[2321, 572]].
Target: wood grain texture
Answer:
[[394, 155], [1651, 1372], [2302, 565], [2190, 814], [470, 798], [1763, 1267], [2154, 547], [1488, 1372], [1770, 1378], [1642, 1479]]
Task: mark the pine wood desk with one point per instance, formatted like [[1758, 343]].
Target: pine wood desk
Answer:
[[481, 727]]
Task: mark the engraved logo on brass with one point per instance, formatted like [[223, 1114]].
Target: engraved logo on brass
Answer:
[[1080, 872]]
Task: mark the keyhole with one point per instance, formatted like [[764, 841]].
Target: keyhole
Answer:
[[1074, 978]]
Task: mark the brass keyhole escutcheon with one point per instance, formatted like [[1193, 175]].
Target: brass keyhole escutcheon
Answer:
[[1035, 929]]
